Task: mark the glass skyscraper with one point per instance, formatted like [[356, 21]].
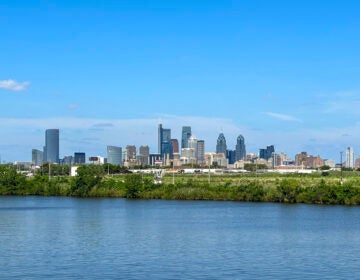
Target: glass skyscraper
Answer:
[[51, 150], [185, 135], [240, 149], [114, 155], [164, 141], [221, 144]]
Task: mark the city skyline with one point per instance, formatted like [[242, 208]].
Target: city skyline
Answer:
[[281, 73]]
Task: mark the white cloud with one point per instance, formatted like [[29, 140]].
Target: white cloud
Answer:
[[14, 85], [283, 117]]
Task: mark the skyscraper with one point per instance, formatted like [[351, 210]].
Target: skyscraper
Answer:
[[221, 144], [185, 135], [37, 157], [350, 158], [131, 152], [175, 146], [144, 153], [231, 155], [52, 145], [164, 141], [240, 150], [114, 155], [192, 144], [200, 151], [267, 153]]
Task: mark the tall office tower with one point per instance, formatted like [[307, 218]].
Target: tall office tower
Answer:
[[164, 141], [37, 157], [160, 137], [270, 150], [192, 144], [175, 146], [231, 155], [221, 144], [240, 149], [350, 158], [131, 152], [79, 158], [185, 135], [114, 155], [144, 153], [200, 151], [52, 145], [267, 153]]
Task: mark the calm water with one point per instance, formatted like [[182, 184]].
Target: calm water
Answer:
[[66, 238]]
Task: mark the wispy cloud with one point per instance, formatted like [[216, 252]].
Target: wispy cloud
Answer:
[[283, 117], [326, 141], [72, 106], [14, 85]]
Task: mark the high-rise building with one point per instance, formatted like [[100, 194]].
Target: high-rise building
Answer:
[[52, 145], [200, 151], [175, 146], [240, 149], [131, 152], [164, 141], [350, 158], [114, 155], [231, 155], [267, 153], [185, 135], [79, 158], [37, 157], [192, 144], [221, 144], [144, 153]]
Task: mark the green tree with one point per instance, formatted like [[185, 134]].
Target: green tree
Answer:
[[11, 182], [133, 185], [89, 176]]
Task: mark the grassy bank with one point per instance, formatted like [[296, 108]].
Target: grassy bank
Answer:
[[92, 182]]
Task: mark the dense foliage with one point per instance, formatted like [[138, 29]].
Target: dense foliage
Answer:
[[93, 181]]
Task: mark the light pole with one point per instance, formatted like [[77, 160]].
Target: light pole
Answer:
[[341, 167]]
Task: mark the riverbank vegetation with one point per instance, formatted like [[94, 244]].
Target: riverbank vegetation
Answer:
[[93, 181]]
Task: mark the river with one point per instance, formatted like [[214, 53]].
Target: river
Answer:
[[70, 238]]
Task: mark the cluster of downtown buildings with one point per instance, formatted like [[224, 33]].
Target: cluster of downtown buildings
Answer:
[[189, 152]]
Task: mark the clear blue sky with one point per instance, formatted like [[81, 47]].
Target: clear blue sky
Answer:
[[105, 72]]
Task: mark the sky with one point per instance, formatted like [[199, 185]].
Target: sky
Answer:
[[283, 73]]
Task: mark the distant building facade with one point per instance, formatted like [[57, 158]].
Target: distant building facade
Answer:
[[51, 151], [231, 156], [185, 135], [267, 153], [131, 152], [240, 149], [350, 158], [114, 155], [37, 157], [200, 156], [175, 146], [79, 158], [308, 161], [164, 142], [144, 153], [221, 145]]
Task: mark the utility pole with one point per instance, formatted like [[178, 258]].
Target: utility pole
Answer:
[[341, 164]]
